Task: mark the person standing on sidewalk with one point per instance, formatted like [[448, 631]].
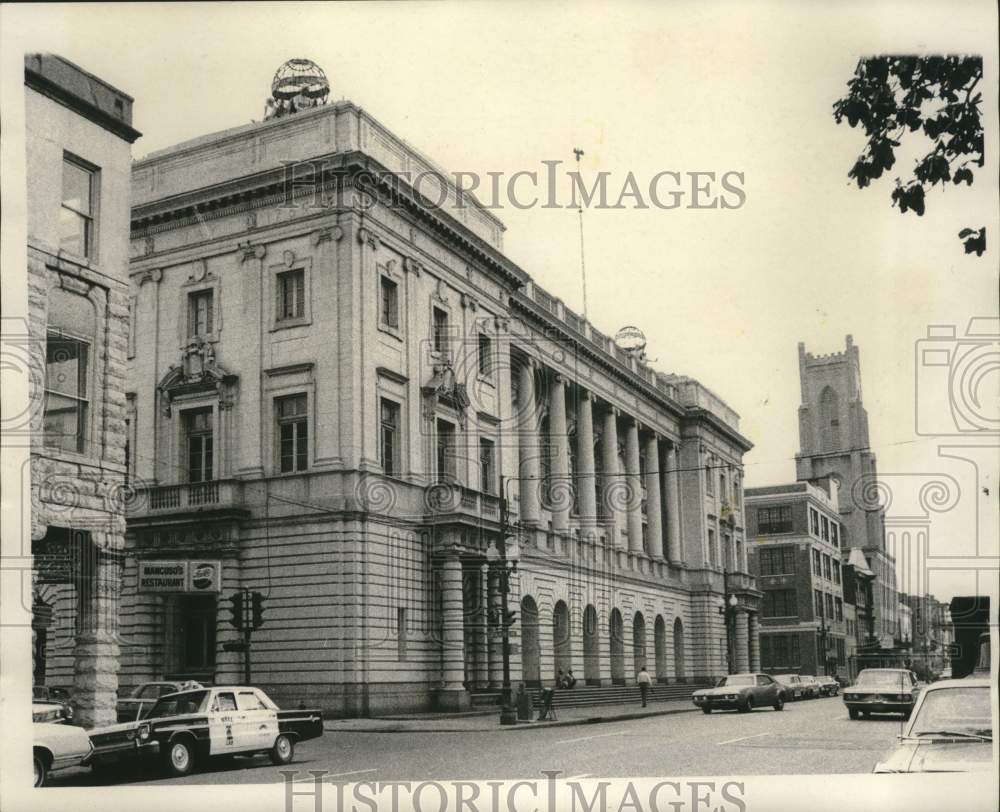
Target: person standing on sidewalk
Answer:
[[644, 684]]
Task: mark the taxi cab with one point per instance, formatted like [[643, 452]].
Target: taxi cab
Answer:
[[188, 727]]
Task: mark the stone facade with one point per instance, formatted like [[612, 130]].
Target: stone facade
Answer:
[[77, 261], [795, 554], [383, 393]]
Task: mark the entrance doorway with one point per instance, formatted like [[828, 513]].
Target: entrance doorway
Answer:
[[193, 649]]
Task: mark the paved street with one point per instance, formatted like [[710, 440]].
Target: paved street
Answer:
[[807, 737]]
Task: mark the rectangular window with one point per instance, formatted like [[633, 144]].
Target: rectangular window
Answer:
[[200, 313], [76, 217], [827, 573], [293, 433], [708, 479], [390, 438], [817, 566], [389, 306], [819, 602], [66, 399], [814, 522], [445, 451], [713, 556], [835, 534], [199, 436], [780, 603], [485, 356], [829, 605], [836, 572], [776, 519], [825, 525], [839, 606], [722, 486], [440, 330], [291, 295], [487, 463]]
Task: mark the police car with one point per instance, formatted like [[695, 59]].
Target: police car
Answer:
[[188, 727]]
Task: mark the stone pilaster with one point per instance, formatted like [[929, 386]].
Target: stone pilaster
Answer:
[[742, 635], [654, 525], [560, 488], [530, 483], [452, 694], [96, 654], [671, 482], [754, 641], [632, 472], [586, 482]]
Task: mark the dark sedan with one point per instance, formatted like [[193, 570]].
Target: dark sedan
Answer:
[[882, 690], [742, 692]]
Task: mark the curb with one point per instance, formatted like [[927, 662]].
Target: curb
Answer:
[[589, 720]]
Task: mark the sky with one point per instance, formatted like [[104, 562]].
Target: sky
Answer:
[[722, 295]]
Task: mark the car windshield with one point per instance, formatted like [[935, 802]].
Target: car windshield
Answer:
[[964, 711], [884, 680], [177, 704], [736, 682]]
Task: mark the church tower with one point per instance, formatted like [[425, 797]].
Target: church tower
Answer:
[[834, 443]]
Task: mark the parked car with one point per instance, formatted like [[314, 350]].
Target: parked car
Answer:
[[142, 699], [742, 692], [882, 690], [810, 686], [51, 704], [950, 730], [828, 686], [188, 727], [55, 744], [792, 685]]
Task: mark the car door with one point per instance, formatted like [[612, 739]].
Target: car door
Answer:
[[261, 721], [766, 691], [227, 729]]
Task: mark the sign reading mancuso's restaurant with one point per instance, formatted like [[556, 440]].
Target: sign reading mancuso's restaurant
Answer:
[[179, 576]]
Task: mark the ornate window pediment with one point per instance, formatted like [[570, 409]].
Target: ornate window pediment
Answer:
[[197, 373]]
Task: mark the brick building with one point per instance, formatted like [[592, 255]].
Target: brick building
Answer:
[[332, 381], [795, 554], [78, 137]]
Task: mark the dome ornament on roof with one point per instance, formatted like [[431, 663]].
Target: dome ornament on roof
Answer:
[[298, 84], [632, 340]]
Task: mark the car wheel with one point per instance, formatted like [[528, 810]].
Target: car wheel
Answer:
[[706, 710], [179, 758], [747, 706], [779, 704], [283, 751], [852, 713], [41, 771]]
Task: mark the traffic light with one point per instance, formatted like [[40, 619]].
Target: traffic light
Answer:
[[257, 603], [236, 599]]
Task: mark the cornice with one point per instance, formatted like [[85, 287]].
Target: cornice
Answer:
[[59, 94]]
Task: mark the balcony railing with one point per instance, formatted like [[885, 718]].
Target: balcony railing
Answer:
[[192, 495]]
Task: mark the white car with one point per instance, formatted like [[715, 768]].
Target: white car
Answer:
[[56, 745]]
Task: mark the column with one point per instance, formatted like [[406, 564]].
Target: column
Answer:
[[452, 694], [632, 469], [546, 647], [603, 646], [586, 482], [560, 488], [96, 653], [754, 641], [612, 478], [529, 484], [657, 547], [673, 507], [495, 649], [482, 629], [742, 660]]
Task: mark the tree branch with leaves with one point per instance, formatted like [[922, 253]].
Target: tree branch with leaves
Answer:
[[891, 97]]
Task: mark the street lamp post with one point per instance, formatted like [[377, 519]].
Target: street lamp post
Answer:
[[822, 644], [498, 559], [728, 609]]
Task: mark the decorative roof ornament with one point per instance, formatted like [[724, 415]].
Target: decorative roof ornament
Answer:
[[298, 84], [632, 340]]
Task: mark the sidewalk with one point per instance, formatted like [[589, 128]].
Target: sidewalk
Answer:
[[488, 721]]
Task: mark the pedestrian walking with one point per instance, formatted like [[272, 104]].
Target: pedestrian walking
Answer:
[[644, 684]]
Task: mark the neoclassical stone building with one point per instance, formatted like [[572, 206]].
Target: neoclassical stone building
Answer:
[[333, 380], [78, 139]]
